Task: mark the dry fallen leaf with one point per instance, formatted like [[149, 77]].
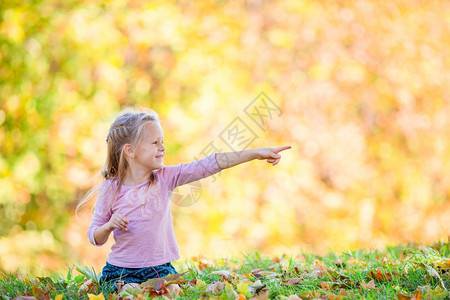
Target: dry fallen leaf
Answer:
[[216, 287], [292, 281], [309, 295], [417, 296], [258, 273], [86, 286], [40, 293], [263, 296], [444, 265], [369, 285], [256, 286], [435, 294], [325, 285], [162, 291], [432, 272], [204, 264], [378, 275], [225, 273], [155, 283], [193, 281]]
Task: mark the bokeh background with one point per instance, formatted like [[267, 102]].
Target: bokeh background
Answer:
[[362, 87]]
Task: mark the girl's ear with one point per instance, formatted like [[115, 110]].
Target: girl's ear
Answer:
[[129, 151]]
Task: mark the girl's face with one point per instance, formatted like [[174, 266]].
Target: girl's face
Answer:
[[150, 151]]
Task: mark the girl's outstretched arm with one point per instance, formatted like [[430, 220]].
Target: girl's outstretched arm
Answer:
[[230, 159]]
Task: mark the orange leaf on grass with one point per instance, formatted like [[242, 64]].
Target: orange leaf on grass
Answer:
[[158, 283], [343, 294], [369, 285], [203, 266], [331, 296], [325, 285], [320, 265], [320, 270], [263, 296], [443, 265], [353, 261], [332, 285], [86, 286], [417, 296], [40, 293], [193, 281], [311, 295], [378, 275], [161, 291]]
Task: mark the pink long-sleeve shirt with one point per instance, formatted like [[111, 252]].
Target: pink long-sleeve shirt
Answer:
[[150, 238]]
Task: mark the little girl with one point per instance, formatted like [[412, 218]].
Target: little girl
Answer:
[[134, 199]]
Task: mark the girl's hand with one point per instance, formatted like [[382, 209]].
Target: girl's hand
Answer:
[[271, 154], [118, 221]]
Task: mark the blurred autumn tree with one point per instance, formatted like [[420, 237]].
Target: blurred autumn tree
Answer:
[[362, 87]]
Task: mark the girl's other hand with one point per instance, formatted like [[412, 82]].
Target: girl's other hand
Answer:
[[271, 154], [118, 221]]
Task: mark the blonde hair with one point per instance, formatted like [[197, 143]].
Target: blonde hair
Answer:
[[126, 129]]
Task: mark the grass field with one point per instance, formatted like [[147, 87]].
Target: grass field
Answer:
[[402, 272]]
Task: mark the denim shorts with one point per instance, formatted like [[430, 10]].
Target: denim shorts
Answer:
[[111, 274]]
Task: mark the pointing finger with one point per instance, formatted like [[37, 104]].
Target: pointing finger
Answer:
[[281, 148]]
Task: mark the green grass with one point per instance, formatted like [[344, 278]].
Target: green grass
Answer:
[[409, 269]]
